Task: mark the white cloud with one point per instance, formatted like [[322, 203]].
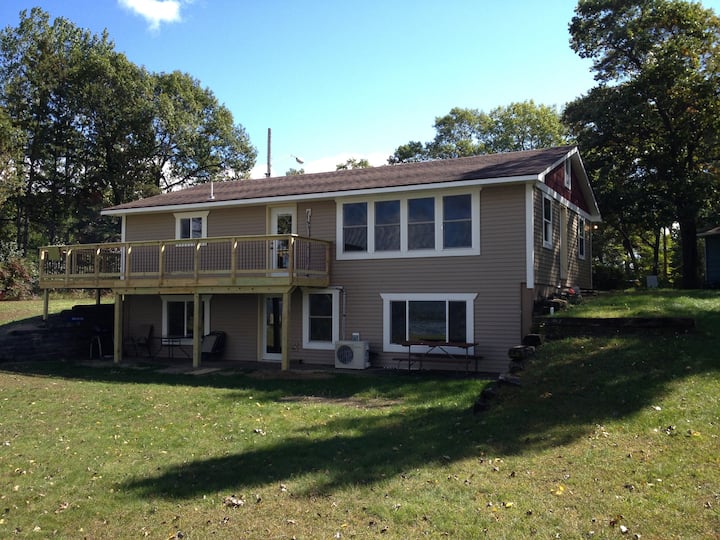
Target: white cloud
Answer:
[[155, 11]]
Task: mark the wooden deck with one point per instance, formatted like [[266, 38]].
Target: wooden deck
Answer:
[[252, 263]]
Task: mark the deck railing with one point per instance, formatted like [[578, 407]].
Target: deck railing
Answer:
[[221, 261]]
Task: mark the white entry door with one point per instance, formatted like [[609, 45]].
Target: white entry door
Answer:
[[282, 221]]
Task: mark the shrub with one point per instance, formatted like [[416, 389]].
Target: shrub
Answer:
[[18, 276]]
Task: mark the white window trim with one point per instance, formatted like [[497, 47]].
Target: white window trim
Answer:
[[581, 234], [468, 298], [547, 243], [189, 215], [321, 345], [404, 252], [205, 299]]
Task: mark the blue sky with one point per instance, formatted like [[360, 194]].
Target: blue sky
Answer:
[[339, 79]]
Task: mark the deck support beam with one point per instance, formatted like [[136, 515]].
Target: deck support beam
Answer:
[[46, 304], [197, 330], [118, 329]]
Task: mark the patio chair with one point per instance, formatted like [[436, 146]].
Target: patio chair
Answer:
[[213, 344], [142, 340]]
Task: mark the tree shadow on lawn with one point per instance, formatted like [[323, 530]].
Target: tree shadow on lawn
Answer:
[[571, 387]]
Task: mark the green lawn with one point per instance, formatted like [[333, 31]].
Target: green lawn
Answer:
[[606, 435], [11, 311]]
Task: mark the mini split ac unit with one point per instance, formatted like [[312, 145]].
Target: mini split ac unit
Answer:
[[352, 354]]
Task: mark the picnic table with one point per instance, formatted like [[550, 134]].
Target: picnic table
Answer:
[[440, 350]]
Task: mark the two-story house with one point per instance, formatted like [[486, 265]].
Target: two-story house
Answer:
[[454, 251]]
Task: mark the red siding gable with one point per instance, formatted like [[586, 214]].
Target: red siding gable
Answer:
[[555, 180]]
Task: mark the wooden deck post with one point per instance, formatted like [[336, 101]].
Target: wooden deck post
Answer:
[[118, 329], [46, 303], [198, 326], [285, 338]]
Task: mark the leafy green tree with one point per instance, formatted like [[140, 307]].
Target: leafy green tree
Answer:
[[96, 130], [294, 172], [10, 158], [652, 121], [412, 152], [470, 132], [196, 140], [353, 163]]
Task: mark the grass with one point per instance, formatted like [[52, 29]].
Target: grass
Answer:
[[11, 311], [644, 303], [604, 433]]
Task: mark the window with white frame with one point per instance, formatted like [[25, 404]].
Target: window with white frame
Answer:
[[321, 318], [387, 225], [547, 226], [421, 223], [581, 237], [427, 316], [191, 225], [568, 174], [355, 226], [437, 225], [177, 316], [457, 221]]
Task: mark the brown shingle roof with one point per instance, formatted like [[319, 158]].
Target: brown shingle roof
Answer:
[[490, 166]]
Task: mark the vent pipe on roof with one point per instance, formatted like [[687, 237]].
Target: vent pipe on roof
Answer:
[[269, 152]]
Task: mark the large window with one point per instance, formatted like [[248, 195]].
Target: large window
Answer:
[[321, 318], [178, 312], [355, 222], [421, 223], [547, 222], [457, 221], [429, 317], [387, 226], [191, 225], [410, 227]]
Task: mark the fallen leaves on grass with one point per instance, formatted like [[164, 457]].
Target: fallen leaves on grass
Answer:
[[233, 501]]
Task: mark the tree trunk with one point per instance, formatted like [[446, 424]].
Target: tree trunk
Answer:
[[630, 252], [688, 246], [656, 253]]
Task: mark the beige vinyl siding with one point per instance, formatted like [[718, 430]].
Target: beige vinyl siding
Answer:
[[141, 227], [495, 276], [140, 310], [240, 221], [238, 316], [547, 260], [580, 269]]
